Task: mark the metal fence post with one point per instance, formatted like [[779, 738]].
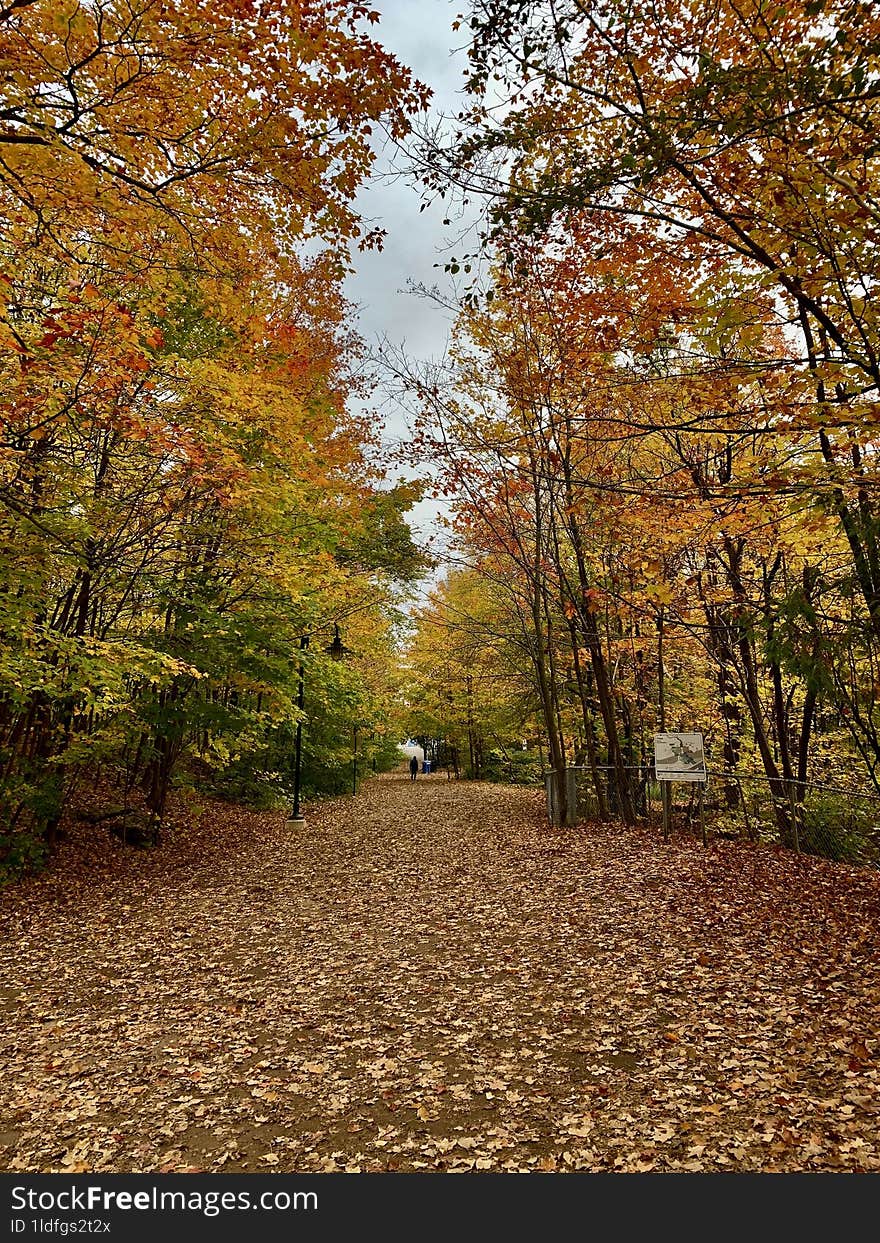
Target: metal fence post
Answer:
[[551, 797], [794, 817], [571, 795]]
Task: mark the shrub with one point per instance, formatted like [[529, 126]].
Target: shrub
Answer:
[[514, 768], [21, 853], [835, 827]]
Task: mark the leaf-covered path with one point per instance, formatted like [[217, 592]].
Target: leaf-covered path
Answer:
[[430, 978]]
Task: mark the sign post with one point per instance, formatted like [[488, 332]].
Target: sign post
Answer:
[[665, 802], [678, 757]]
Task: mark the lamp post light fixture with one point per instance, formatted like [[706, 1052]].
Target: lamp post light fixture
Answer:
[[336, 651]]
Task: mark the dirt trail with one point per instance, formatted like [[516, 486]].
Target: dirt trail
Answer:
[[428, 977]]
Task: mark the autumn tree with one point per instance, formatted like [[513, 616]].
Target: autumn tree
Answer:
[[468, 676], [742, 132], [626, 451], [183, 490]]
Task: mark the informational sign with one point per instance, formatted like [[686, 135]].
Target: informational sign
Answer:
[[679, 757]]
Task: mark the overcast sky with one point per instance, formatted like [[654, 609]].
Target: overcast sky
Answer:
[[420, 33]]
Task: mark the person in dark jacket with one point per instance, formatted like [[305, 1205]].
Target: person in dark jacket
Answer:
[[413, 767]]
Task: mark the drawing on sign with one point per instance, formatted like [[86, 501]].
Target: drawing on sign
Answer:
[[679, 757]]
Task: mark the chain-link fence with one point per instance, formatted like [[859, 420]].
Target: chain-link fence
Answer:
[[807, 817]]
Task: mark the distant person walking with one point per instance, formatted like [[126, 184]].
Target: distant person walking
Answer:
[[413, 767]]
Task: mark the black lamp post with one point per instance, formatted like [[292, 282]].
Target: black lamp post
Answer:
[[296, 816], [336, 651], [354, 762]]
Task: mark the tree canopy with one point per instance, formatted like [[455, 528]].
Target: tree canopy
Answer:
[[659, 419], [184, 491]]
